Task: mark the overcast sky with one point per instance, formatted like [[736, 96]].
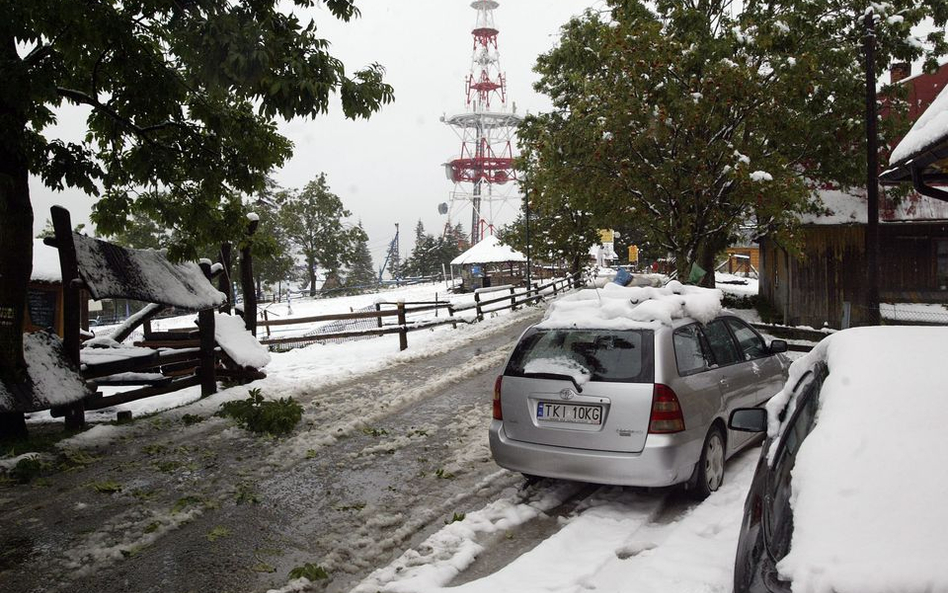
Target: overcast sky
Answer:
[[388, 169]]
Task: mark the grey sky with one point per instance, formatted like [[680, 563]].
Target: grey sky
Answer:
[[388, 169]]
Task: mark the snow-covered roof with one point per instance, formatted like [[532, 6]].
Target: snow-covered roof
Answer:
[[144, 275], [489, 250], [638, 307], [45, 263], [868, 507], [929, 129], [851, 207]]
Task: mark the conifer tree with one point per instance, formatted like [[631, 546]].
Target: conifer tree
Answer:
[[361, 275]]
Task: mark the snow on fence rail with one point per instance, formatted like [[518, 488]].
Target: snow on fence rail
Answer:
[[370, 323]]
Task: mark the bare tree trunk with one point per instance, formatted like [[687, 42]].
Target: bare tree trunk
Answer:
[[16, 228], [311, 268], [223, 281]]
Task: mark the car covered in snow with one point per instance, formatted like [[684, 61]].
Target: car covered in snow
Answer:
[[847, 493], [632, 386]]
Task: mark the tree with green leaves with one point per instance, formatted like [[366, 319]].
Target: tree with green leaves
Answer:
[[696, 118], [273, 257], [183, 97], [314, 221], [561, 231], [361, 275]]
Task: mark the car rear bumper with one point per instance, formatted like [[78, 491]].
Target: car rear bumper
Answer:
[[665, 460]]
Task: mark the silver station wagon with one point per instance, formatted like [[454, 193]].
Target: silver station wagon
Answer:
[[638, 406]]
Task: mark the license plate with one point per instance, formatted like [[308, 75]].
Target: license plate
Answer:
[[575, 413]]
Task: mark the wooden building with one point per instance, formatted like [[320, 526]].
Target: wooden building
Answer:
[[742, 259], [812, 289], [913, 234]]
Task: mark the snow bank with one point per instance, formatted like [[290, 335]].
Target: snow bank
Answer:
[[638, 307], [234, 339], [868, 497]]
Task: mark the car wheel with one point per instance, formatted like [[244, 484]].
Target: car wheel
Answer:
[[709, 473]]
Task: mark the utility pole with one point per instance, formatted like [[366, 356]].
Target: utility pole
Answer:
[[396, 259], [872, 177], [526, 206]]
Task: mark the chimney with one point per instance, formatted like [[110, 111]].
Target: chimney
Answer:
[[899, 71]]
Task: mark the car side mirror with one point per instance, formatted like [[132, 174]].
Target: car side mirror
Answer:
[[748, 420], [778, 346]]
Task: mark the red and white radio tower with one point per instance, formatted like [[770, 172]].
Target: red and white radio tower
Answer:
[[485, 129]]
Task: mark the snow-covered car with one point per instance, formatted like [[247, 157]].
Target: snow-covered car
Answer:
[[848, 494], [632, 386]]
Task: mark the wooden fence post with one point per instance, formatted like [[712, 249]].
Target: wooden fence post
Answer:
[[247, 285], [75, 415], [403, 331], [513, 300], [223, 281], [477, 306], [266, 319], [207, 356], [378, 309], [454, 324]]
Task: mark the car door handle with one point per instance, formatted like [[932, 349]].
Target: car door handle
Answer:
[[723, 383]]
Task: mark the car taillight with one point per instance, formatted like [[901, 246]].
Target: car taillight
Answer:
[[666, 411], [498, 413]]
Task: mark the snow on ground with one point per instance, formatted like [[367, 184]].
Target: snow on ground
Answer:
[[735, 285], [617, 540], [317, 366]]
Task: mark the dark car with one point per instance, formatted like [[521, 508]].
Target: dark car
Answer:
[[768, 520]]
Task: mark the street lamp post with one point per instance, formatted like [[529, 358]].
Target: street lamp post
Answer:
[[526, 205], [872, 176]]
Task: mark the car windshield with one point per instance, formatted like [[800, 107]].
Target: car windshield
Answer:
[[593, 355]]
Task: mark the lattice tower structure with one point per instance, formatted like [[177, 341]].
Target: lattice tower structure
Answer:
[[484, 173]]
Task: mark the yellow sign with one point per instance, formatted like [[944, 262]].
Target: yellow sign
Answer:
[[633, 254], [606, 235]]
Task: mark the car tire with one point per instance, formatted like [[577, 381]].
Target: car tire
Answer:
[[709, 472]]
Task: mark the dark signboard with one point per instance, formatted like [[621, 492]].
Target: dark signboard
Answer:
[[42, 307]]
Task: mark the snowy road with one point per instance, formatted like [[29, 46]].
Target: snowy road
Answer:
[[381, 462], [367, 489]]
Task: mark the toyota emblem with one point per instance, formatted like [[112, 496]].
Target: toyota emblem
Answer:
[[567, 394]]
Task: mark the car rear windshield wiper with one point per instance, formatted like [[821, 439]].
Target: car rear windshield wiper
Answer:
[[557, 376]]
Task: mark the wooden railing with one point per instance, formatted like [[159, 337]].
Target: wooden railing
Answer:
[[512, 298]]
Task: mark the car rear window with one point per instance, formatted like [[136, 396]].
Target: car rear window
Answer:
[[606, 355]]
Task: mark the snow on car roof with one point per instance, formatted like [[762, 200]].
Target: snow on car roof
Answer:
[[639, 307], [867, 488]]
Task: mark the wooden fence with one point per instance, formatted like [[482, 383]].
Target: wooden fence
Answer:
[[510, 298]]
